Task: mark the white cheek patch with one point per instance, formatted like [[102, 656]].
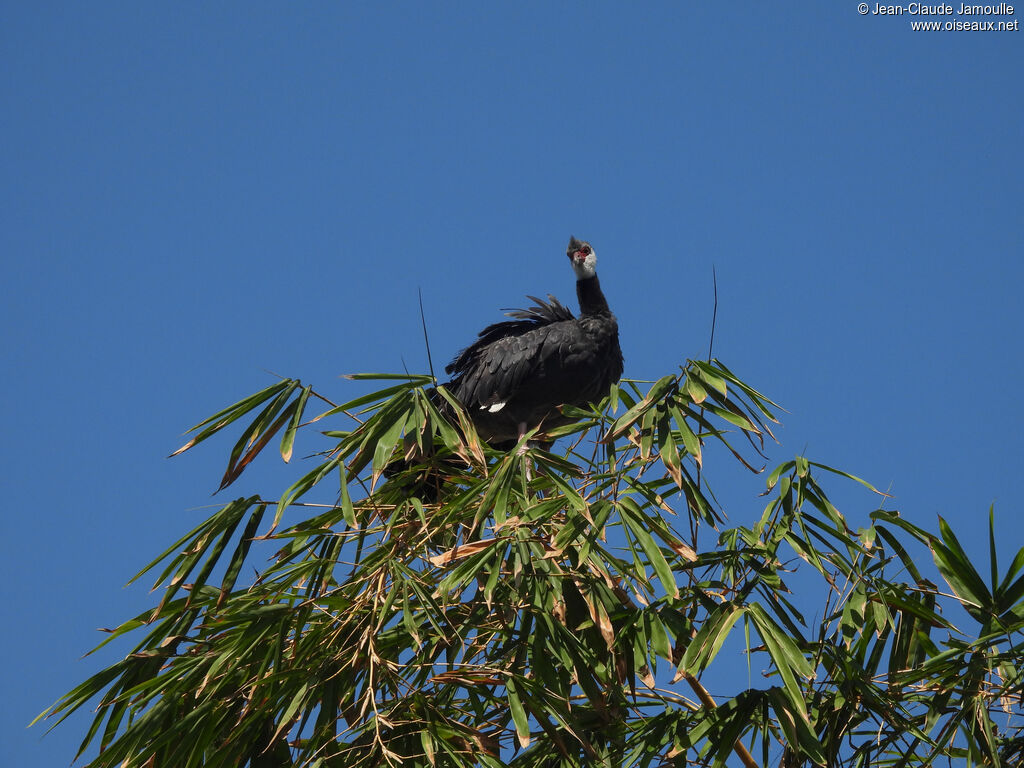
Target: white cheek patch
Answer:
[[587, 267]]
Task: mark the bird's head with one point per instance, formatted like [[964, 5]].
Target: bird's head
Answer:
[[583, 258]]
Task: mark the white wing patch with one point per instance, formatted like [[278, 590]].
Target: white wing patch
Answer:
[[492, 408]]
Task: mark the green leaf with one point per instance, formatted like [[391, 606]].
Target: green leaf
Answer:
[[848, 476], [690, 441], [233, 412], [894, 544], [773, 477], [518, 714], [786, 656], [633, 517], [705, 645], [959, 573], [386, 444], [696, 392], [417, 380], [660, 643], [288, 440], [257, 439], [992, 548], [759, 400], [894, 518], [240, 553], [670, 455], [1009, 597], [1015, 566], [657, 392], [380, 396], [795, 724], [301, 486], [286, 719], [708, 374], [733, 418]]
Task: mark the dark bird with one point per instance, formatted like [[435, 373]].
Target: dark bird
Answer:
[[518, 372]]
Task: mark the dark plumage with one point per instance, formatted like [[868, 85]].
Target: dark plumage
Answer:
[[518, 372]]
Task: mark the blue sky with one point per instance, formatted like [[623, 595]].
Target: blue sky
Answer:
[[193, 195]]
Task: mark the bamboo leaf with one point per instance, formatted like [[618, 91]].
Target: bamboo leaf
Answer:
[[796, 725], [379, 396], [417, 380], [993, 562], [773, 478], [848, 476], [658, 390], [1014, 569], [632, 517], [733, 418], [759, 400], [301, 486], [670, 456], [518, 714], [288, 439], [786, 656], [240, 553], [894, 544], [705, 645], [690, 441], [463, 550], [1009, 597], [660, 643], [696, 392], [959, 573], [287, 717], [233, 412], [707, 373], [236, 468]]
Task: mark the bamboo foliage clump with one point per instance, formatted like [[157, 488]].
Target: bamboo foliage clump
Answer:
[[415, 598]]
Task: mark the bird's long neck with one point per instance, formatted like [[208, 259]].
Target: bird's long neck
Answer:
[[592, 301]]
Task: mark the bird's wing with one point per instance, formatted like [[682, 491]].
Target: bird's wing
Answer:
[[487, 373], [501, 369], [541, 314]]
